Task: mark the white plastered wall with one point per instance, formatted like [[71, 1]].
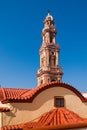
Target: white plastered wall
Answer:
[[1, 113]]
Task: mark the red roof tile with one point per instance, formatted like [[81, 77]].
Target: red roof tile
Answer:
[[13, 94], [34, 92], [60, 127], [57, 117], [4, 109]]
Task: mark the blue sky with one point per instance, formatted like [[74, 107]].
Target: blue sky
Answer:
[[21, 23]]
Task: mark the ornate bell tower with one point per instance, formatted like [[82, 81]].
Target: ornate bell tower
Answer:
[[49, 54]]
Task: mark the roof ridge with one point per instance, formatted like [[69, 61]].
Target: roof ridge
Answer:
[[53, 84], [26, 94]]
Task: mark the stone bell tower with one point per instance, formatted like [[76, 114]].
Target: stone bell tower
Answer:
[[49, 54]]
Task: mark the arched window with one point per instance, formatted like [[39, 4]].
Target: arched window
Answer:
[[48, 80], [52, 59], [53, 80], [51, 39], [41, 82]]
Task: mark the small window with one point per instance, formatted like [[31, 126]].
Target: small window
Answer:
[[48, 80], [52, 53], [52, 80], [51, 39], [58, 101], [41, 82], [42, 61]]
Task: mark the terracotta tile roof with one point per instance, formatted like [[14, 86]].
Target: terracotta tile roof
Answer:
[[34, 92], [58, 117], [11, 93], [14, 94], [13, 127], [81, 126], [4, 109]]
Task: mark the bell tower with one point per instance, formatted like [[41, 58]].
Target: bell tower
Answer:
[[49, 54]]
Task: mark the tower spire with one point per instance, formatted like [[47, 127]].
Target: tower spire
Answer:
[[49, 54]]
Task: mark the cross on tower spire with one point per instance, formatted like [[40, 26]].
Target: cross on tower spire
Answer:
[[48, 11]]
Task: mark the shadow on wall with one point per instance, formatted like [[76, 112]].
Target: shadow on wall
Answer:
[[11, 115], [45, 98]]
